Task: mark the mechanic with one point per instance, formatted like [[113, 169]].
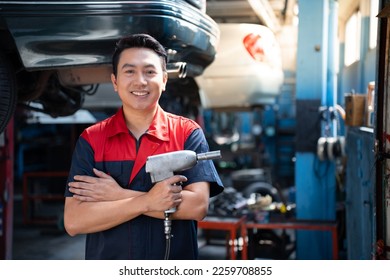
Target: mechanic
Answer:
[[109, 196]]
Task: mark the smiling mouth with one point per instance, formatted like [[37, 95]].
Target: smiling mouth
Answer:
[[140, 93]]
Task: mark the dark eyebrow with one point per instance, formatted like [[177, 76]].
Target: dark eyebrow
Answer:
[[132, 65], [127, 65], [150, 65]]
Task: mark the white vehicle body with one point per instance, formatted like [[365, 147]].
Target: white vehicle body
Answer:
[[236, 79]]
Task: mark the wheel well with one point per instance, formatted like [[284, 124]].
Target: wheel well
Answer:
[[8, 97], [9, 48]]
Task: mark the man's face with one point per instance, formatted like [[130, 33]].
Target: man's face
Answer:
[[140, 79]]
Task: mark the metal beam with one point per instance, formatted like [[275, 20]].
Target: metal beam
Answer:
[[229, 9], [243, 11]]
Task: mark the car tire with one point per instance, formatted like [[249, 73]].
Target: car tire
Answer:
[[8, 98], [262, 188]]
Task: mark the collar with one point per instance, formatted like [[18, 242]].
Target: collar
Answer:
[[158, 128]]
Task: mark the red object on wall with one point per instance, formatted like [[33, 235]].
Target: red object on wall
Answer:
[[6, 190]]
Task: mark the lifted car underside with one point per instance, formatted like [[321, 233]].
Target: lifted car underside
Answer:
[[56, 52]]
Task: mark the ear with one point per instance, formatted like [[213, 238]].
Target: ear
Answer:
[[113, 81], [165, 80]]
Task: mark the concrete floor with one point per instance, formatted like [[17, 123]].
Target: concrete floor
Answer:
[[43, 243], [34, 243], [47, 242]]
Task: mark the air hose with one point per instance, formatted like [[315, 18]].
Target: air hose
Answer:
[[168, 235]]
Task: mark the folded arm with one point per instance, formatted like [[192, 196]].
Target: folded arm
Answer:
[[99, 203], [112, 205]]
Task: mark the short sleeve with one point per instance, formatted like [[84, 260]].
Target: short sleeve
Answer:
[[82, 162], [204, 170]]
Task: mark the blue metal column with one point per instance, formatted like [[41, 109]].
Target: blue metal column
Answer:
[[314, 179], [330, 99]]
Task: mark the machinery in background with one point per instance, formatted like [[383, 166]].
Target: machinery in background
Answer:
[[259, 207]]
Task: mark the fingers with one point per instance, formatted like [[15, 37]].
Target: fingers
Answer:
[[178, 197], [85, 178], [84, 187], [79, 185], [174, 183], [167, 193], [100, 187], [92, 179], [79, 188], [84, 198], [176, 180], [101, 174], [175, 188]]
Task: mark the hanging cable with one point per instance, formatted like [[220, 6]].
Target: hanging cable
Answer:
[[168, 235]]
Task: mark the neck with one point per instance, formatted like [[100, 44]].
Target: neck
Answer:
[[138, 121]]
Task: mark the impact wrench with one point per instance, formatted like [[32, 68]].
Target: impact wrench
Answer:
[[163, 166]]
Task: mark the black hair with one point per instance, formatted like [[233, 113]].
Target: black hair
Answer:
[[138, 41]]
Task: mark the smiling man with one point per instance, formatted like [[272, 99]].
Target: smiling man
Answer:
[[109, 196]]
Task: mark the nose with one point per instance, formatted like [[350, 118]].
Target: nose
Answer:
[[140, 78]]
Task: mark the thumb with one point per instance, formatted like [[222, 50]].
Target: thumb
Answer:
[[100, 174]]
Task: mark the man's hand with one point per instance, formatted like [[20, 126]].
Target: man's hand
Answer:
[[100, 188], [166, 194]]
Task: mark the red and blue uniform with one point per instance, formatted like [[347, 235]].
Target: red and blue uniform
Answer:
[[110, 147]]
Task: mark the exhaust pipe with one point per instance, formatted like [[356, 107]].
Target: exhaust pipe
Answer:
[[177, 70]]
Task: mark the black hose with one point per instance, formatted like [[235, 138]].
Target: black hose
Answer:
[[167, 248], [167, 231]]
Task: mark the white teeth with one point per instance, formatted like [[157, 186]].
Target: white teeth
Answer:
[[139, 93]]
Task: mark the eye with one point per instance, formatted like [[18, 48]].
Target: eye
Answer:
[[129, 71], [151, 72]]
